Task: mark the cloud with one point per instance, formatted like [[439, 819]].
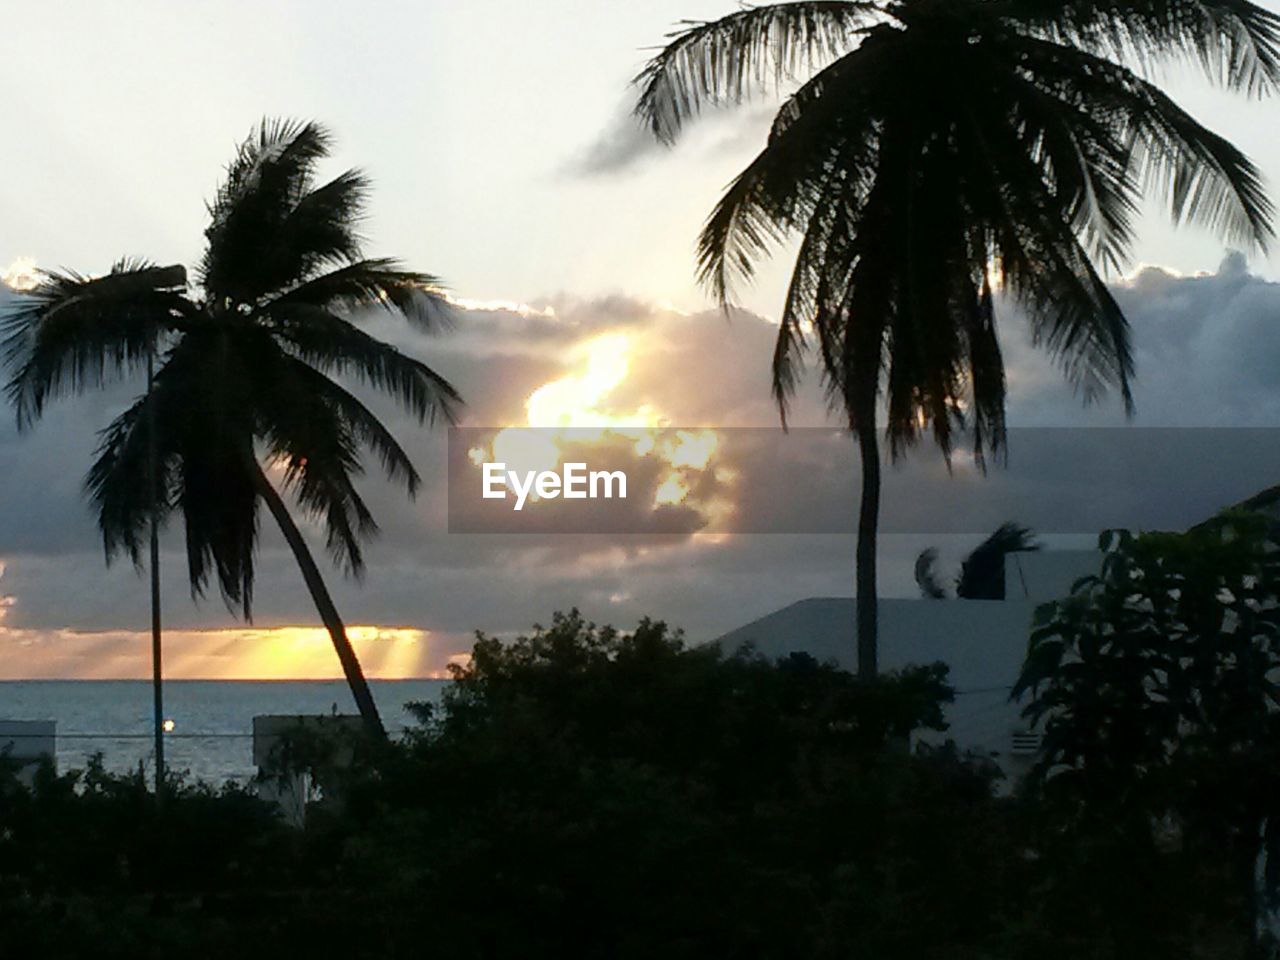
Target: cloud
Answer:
[[1208, 354], [619, 148], [625, 144], [1206, 351], [551, 323]]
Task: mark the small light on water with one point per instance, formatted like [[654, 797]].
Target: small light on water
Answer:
[[167, 726]]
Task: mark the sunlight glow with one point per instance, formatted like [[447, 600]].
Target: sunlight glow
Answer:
[[499, 306], [672, 490], [234, 653], [284, 652], [577, 400], [21, 275], [576, 408]]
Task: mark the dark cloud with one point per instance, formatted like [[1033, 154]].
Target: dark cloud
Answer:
[[1206, 348], [619, 147]]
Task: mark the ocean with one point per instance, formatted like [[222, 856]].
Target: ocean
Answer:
[[212, 738]]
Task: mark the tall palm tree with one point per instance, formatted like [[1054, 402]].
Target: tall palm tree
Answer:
[[245, 384], [938, 150]]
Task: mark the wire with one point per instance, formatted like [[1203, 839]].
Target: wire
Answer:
[[80, 735], [4, 737]]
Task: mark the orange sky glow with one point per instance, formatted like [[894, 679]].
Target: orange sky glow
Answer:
[[271, 653]]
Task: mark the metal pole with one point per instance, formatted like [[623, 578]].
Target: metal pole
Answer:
[[156, 673]]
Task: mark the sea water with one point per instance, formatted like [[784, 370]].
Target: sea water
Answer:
[[212, 735]]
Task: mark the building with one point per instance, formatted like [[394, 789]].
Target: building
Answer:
[[27, 743], [982, 641]]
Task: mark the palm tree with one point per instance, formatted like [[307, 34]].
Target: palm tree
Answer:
[[939, 150], [246, 381]]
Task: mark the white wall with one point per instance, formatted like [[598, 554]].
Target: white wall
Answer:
[[28, 741], [982, 641]]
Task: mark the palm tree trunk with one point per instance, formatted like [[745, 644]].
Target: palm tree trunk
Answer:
[[868, 524], [324, 604]]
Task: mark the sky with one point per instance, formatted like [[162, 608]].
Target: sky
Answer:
[[503, 160]]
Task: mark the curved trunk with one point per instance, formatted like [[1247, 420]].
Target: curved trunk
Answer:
[[865, 572], [324, 604]]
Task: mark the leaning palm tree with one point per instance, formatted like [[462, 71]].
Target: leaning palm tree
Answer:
[[942, 149], [244, 402]]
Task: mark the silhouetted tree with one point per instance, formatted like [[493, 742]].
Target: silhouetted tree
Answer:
[[606, 793], [942, 148], [246, 374], [590, 792], [982, 571], [1155, 684]]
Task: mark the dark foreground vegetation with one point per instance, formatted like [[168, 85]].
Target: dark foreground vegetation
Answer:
[[584, 793]]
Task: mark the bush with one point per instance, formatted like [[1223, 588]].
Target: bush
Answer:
[[589, 793], [584, 792], [1155, 684]]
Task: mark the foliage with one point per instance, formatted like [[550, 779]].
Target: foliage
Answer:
[[583, 791], [982, 571], [89, 865], [931, 146], [930, 152], [588, 792], [1155, 684], [46, 830], [251, 368], [246, 361]]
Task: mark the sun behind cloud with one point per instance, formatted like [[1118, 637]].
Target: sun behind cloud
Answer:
[[576, 408], [21, 275]]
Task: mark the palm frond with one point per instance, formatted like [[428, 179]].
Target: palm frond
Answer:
[[219, 506], [208, 380], [1033, 241], [119, 482], [363, 426], [335, 346], [721, 61], [855, 312], [787, 365], [985, 365], [1203, 177], [926, 574], [1073, 313], [927, 349], [1118, 116], [280, 150], [72, 333], [201, 474], [1236, 42], [1080, 147], [820, 153], [310, 433], [319, 230], [740, 231], [269, 224], [376, 282], [824, 259]]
